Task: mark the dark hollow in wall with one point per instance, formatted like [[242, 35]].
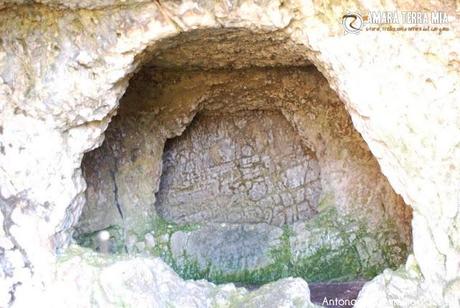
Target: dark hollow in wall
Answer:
[[262, 176]]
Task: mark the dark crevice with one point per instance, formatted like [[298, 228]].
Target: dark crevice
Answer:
[[115, 192], [117, 204]]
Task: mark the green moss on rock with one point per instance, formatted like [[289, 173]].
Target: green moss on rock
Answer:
[[359, 253], [333, 248]]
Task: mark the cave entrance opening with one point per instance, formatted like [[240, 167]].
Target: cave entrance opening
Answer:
[[233, 160]]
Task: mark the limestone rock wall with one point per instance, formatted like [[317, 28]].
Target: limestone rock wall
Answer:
[[160, 105], [62, 72], [240, 111], [225, 248], [247, 167], [122, 177]]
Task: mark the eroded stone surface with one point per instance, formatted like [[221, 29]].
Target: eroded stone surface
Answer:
[[85, 279], [327, 247], [205, 182], [350, 176], [272, 49], [160, 105], [228, 248], [406, 281], [247, 167], [50, 116]]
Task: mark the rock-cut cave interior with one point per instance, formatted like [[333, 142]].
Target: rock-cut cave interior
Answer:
[[232, 159]]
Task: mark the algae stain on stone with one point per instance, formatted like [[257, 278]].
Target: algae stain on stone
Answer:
[[335, 248]]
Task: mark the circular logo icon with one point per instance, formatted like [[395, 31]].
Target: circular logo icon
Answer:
[[352, 22]]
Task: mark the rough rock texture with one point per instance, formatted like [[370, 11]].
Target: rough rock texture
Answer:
[[244, 168], [160, 105], [85, 279], [395, 283], [229, 249], [329, 246], [198, 187], [62, 72], [272, 49], [332, 246]]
